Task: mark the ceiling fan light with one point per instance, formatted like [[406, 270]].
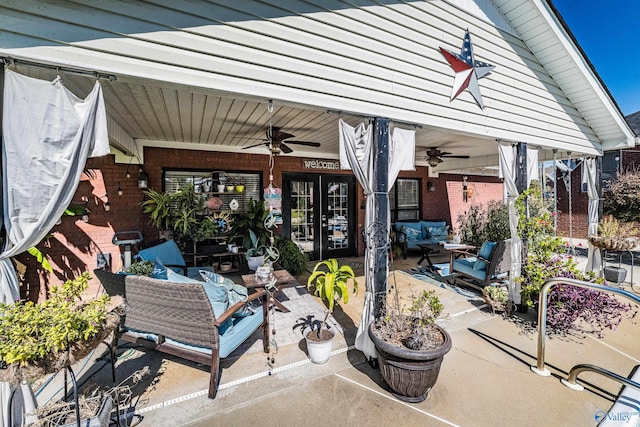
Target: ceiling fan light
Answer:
[[433, 161]]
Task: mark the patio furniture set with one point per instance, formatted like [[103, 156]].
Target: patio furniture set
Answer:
[[189, 318]]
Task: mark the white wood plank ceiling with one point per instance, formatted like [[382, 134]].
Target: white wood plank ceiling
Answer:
[[199, 74]]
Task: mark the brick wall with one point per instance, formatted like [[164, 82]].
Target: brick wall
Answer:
[[74, 245], [479, 193]]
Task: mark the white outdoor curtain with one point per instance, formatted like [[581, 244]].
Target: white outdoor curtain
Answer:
[[508, 172], [48, 133], [356, 153], [590, 177]]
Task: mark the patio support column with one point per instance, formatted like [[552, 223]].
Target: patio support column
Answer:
[[521, 183], [381, 213]]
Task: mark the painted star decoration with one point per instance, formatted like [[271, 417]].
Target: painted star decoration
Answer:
[[467, 70]]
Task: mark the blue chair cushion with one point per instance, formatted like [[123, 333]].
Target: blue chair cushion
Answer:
[[465, 266], [167, 252], [242, 329], [484, 252]]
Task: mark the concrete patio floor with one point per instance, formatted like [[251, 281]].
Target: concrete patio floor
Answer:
[[485, 379]]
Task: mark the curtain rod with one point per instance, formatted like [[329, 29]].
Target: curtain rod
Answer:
[[7, 60], [347, 113]]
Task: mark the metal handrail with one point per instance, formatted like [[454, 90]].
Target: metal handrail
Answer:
[[542, 312], [576, 370]]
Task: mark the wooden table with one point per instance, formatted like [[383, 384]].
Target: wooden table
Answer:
[[283, 278], [456, 251], [427, 249]]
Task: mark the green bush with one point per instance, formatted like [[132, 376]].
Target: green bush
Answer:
[[31, 332], [623, 199], [291, 258]]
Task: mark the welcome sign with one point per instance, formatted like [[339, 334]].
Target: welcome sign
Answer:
[[320, 164]]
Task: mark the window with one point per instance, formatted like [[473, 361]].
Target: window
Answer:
[[404, 199], [610, 168], [206, 183]]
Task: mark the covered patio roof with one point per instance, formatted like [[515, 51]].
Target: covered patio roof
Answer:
[[200, 77]]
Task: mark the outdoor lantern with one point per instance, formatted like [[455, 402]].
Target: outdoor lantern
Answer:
[[143, 180], [107, 206], [431, 186]]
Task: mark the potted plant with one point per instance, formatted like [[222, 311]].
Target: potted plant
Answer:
[[496, 297], [254, 228], [291, 257], [614, 235], [158, 206], [330, 281], [411, 346]]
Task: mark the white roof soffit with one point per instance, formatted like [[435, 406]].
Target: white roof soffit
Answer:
[[544, 33]]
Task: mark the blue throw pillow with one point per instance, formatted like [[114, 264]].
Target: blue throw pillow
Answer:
[[484, 252], [159, 271], [217, 295], [411, 233], [234, 293], [438, 233]]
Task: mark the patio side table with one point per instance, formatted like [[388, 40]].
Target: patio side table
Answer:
[[283, 278]]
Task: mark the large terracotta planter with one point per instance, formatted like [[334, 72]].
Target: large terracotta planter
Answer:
[[411, 374]]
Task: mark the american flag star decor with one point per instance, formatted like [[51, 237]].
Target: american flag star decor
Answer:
[[467, 70]]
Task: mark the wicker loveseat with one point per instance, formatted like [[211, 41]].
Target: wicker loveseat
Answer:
[[178, 319]]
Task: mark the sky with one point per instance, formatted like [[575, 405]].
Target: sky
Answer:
[[607, 30]]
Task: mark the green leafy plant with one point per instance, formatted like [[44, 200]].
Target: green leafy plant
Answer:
[[496, 293], [484, 223], [412, 327], [31, 331], [330, 281], [570, 308], [140, 268], [158, 206], [291, 257], [611, 227], [252, 220]]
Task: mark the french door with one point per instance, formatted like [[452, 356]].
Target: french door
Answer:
[[319, 215]]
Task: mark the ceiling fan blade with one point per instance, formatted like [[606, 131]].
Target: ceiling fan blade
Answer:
[[442, 153], [285, 149], [256, 145], [456, 157], [307, 143]]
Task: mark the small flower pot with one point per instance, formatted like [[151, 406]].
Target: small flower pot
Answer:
[[319, 351]]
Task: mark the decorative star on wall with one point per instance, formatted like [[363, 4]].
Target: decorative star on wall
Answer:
[[467, 70]]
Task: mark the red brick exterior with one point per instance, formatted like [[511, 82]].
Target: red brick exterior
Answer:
[[630, 160], [74, 245]]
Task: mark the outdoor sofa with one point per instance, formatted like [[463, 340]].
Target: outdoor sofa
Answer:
[[410, 234], [177, 316]]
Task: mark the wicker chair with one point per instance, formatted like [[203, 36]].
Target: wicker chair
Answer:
[[177, 319], [496, 268], [113, 284]]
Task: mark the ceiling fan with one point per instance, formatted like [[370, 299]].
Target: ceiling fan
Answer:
[[275, 141], [435, 156]]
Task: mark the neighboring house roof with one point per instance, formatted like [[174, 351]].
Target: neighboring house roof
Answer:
[[199, 76], [634, 122]]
